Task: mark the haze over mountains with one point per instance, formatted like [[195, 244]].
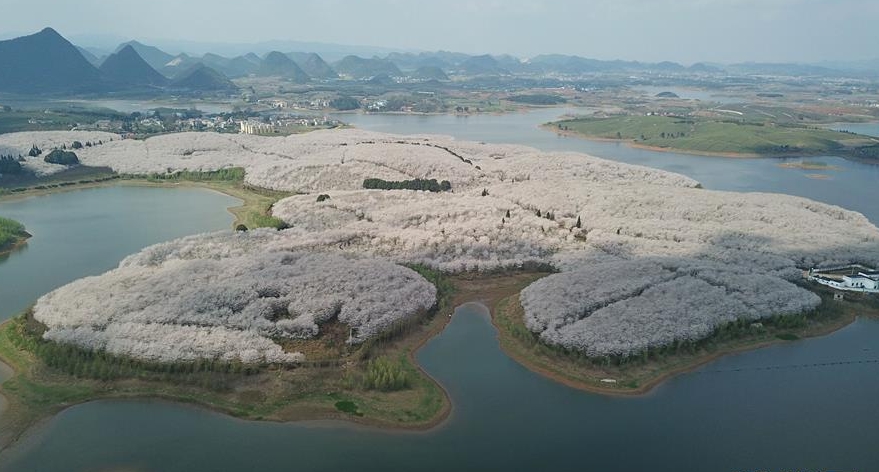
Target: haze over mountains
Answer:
[[47, 63]]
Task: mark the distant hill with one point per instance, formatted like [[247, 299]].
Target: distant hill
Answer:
[[93, 60], [45, 63], [482, 65], [702, 68], [180, 64], [313, 65], [153, 56], [240, 66], [782, 69], [202, 78], [126, 67], [509, 63], [276, 64], [667, 67], [360, 68], [429, 73]]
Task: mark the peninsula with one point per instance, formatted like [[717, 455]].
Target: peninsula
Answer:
[[624, 272]]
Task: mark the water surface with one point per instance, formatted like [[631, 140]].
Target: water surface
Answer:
[[731, 415], [789, 407], [87, 232]]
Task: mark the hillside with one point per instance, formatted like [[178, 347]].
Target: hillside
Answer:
[[430, 73], [239, 66], [202, 78], [126, 67], [360, 68], [276, 64], [482, 65], [313, 65], [45, 63], [152, 55], [180, 64]]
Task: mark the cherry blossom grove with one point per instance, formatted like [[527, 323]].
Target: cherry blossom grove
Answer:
[[646, 257], [230, 307]]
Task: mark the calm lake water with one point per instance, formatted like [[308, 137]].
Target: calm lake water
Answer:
[[869, 129], [733, 415], [689, 94], [806, 405], [87, 232]]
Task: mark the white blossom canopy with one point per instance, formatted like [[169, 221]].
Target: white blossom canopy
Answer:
[[647, 258]]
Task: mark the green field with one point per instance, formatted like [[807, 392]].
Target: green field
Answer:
[[709, 136], [12, 121]]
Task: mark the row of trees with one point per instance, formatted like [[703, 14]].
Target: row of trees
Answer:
[[229, 174], [10, 164], [418, 184], [385, 375], [59, 156]]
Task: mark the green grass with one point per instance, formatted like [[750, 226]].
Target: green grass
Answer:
[[694, 134], [10, 232], [347, 406]]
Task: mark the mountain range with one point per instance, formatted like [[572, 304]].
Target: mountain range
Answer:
[[47, 63]]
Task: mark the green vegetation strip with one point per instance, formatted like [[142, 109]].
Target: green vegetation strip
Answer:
[[11, 233], [376, 382], [734, 137], [638, 374]]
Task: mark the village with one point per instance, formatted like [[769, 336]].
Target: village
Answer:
[[160, 121]]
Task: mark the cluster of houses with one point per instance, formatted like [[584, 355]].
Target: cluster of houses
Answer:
[[858, 278], [283, 125]]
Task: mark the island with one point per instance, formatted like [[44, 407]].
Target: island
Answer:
[[722, 132], [605, 276]]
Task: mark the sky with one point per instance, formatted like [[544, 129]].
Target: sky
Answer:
[[684, 31]]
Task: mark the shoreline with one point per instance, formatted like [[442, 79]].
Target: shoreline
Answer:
[[680, 364], [15, 245], [728, 155], [485, 289], [468, 289]]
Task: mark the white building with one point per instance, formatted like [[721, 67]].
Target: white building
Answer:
[[256, 127], [863, 281]]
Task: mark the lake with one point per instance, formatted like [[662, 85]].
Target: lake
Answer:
[[805, 405], [735, 414], [689, 93], [87, 232], [869, 129]]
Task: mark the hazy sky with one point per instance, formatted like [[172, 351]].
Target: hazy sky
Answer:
[[678, 30]]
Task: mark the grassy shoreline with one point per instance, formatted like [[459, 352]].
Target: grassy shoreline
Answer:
[[719, 138], [12, 235], [254, 211], [36, 392], [643, 375]]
